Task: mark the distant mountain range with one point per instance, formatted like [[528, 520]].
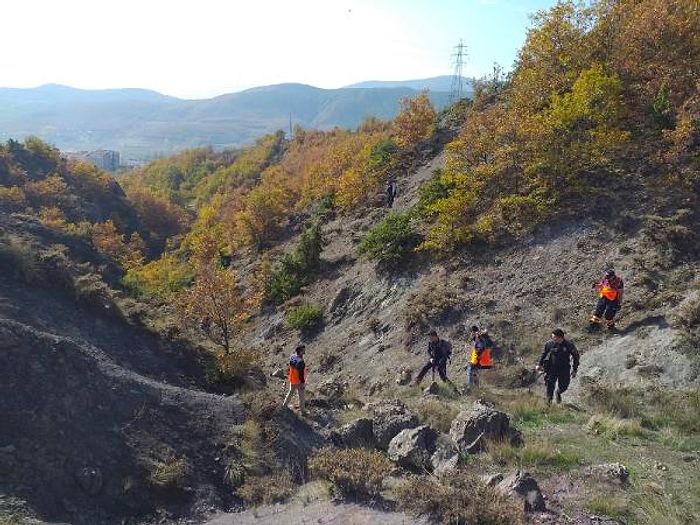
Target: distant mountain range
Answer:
[[141, 124], [442, 83]]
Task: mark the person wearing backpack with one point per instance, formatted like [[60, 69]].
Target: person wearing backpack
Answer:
[[440, 352], [297, 377], [559, 362], [480, 357]]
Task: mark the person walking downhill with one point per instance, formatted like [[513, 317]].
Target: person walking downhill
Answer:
[[480, 357], [297, 377], [559, 362], [610, 290], [440, 352]]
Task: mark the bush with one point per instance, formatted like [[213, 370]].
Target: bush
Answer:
[[458, 499], [391, 241], [609, 506], [305, 318], [532, 454], [356, 473], [159, 279], [18, 258], [229, 371], [297, 269], [169, 473], [613, 428], [273, 488]]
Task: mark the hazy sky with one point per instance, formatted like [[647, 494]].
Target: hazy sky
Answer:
[[201, 48]]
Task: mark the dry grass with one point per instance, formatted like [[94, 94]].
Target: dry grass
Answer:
[[611, 506], [169, 473], [437, 414], [457, 499], [538, 453], [353, 473], [265, 490], [614, 428]]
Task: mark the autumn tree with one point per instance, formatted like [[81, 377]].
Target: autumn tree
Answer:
[[215, 305], [415, 122]]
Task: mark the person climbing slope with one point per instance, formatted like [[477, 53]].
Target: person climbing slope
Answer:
[[297, 377], [392, 190], [440, 352], [610, 291], [559, 362]]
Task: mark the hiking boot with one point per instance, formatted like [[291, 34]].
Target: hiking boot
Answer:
[[557, 395]]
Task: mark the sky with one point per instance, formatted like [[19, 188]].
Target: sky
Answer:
[[204, 48]]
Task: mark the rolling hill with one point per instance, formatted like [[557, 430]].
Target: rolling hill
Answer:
[[141, 123]]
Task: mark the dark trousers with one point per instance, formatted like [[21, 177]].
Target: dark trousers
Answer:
[[557, 379], [607, 308], [390, 200], [440, 366]]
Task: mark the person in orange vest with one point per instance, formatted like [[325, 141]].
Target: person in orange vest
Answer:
[[609, 302], [297, 377], [480, 357]]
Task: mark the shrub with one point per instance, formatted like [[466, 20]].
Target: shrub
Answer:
[[273, 488], [459, 499], [169, 473], [432, 191], [297, 269], [356, 473], [159, 279], [18, 258], [305, 318], [230, 370], [613, 428], [391, 241], [609, 506]]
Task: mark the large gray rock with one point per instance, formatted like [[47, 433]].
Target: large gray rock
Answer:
[[390, 418], [444, 460], [522, 486], [356, 434], [412, 448], [472, 427]]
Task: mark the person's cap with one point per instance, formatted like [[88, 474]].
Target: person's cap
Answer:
[[558, 332], [300, 348], [432, 332], [610, 272]]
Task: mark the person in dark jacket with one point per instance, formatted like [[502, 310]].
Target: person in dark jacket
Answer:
[[559, 362], [440, 352], [392, 190]]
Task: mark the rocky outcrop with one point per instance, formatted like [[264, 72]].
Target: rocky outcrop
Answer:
[[356, 434], [471, 428], [413, 448], [390, 418], [615, 473], [522, 486]]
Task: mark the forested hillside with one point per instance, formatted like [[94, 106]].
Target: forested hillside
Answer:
[[208, 268]]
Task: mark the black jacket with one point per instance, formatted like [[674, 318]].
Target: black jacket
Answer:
[[558, 357], [440, 350]]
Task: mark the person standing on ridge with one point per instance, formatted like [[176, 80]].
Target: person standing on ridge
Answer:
[[609, 302], [392, 190], [440, 352], [556, 363], [297, 377], [480, 357]]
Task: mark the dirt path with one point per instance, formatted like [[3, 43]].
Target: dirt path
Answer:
[[318, 512]]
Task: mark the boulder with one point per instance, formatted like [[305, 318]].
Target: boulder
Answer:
[[522, 486], [491, 480], [444, 460], [472, 427], [390, 418], [356, 434], [615, 473], [404, 378], [412, 448]]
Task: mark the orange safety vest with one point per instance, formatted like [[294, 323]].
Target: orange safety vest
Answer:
[[293, 374], [608, 291], [483, 360]]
